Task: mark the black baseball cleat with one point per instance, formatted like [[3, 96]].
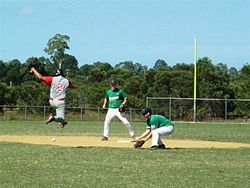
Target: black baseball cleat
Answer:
[[155, 147], [162, 146], [50, 119], [62, 124], [104, 138]]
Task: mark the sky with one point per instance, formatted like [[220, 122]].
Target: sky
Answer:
[[141, 31]]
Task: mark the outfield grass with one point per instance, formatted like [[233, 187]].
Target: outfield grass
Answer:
[[28, 165]]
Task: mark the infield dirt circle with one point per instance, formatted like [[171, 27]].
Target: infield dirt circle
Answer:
[[115, 142]]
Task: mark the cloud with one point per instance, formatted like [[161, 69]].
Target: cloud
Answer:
[[27, 11]]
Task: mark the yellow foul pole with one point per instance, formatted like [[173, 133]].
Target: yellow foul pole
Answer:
[[195, 61]]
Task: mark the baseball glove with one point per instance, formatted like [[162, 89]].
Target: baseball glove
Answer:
[[34, 62], [122, 109], [139, 144]]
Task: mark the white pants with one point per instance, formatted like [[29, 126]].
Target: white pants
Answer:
[[60, 108], [112, 112], [157, 133]]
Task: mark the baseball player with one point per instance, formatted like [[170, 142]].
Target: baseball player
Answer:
[[58, 91], [157, 126], [115, 100]]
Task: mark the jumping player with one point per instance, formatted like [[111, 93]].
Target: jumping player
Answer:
[[157, 126], [115, 100], [58, 92]]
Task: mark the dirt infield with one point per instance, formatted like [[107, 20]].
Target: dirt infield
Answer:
[[115, 142]]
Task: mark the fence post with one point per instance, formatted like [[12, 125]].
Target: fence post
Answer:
[[225, 119], [25, 112], [98, 114], [44, 112], [170, 108], [4, 108], [130, 114], [81, 114]]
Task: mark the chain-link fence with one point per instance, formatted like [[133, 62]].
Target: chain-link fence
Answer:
[[72, 113], [176, 109], [182, 109]]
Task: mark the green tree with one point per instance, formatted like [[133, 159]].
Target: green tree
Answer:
[[212, 80], [97, 72], [3, 70], [94, 95], [56, 47], [181, 84], [3, 91], [33, 93], [8, 95], [129, 65], [13, 75], [160, 64], [240, 84], [70, 65], [233, 72], [132, 87], [183, 67]]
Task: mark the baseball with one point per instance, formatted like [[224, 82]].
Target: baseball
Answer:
[[53, 139]]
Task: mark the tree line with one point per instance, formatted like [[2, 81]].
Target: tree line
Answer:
[[18, 87]]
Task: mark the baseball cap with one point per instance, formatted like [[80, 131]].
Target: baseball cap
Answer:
[[58, 72], [113, 82], [146, 110]]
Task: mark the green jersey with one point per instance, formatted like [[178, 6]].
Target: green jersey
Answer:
[[115, 98], [157, 121]]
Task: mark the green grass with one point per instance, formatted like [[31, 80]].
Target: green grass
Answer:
[[28, 165], [211, 132]]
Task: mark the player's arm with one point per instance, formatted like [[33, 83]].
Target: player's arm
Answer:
[[36, 73], [146, 135], [46, 79], [124, 103], [71, 86], [125, 99], [105, 102], [149, 135]]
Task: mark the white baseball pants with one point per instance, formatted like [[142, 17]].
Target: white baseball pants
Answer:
[[157, 133], [114, 112], [60, 108]]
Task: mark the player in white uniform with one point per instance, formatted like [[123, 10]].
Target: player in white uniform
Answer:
[[58, 91], [115, 100]]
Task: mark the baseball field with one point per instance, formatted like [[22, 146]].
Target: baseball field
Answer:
[[198, 155]]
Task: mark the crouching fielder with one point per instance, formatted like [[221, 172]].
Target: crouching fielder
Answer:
[[157, 126]]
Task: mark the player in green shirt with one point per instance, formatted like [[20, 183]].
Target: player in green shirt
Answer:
[[157, 126], [115, 101]]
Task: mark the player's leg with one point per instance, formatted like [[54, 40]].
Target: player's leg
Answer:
[[60, 113], [51, 117], [127, 124], [108, 118], [157, 133]]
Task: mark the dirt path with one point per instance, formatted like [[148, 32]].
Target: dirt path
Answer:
[[116, 142]]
